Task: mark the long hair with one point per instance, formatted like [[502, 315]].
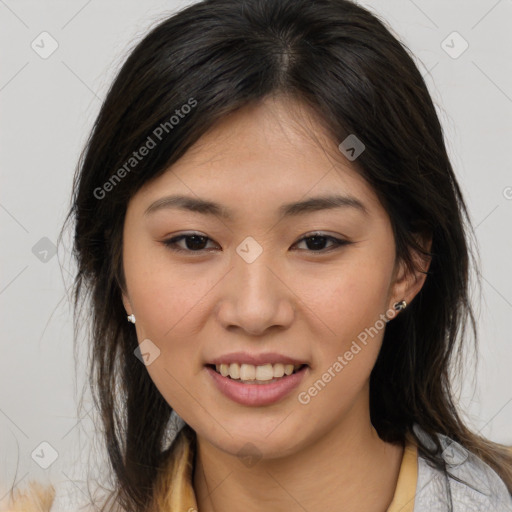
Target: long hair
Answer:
[[217, 56]]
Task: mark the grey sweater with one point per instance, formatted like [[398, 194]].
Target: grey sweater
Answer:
[[484, 490]]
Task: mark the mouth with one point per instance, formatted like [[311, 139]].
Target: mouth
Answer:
[[257, 386], [252, 374]]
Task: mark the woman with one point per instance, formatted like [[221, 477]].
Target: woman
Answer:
[[273, 241]]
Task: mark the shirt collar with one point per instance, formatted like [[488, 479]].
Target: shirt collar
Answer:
[[181, 495]]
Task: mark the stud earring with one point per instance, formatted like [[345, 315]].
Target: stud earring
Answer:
[[131, 318], [399, 306]]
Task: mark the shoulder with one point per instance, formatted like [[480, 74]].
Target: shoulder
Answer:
[[62, 496], [33, 497], [480, 488]]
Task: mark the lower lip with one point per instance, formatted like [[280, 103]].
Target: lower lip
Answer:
[[257, 394]]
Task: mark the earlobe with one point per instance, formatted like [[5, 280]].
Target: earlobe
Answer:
[[128, 307], [408, 283], [126, 303]]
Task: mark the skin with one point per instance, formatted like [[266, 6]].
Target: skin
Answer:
[[294, 299]]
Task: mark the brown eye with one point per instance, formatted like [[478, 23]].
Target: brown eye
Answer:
[[317, 241], [193, 243]]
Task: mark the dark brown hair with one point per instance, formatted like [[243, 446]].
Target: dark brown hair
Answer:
[[343, 62]]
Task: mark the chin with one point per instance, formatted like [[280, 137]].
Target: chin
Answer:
[[253, 442]]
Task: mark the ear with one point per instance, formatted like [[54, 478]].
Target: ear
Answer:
[[407, 284]]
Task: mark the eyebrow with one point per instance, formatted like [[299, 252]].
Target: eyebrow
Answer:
[[205, 207]]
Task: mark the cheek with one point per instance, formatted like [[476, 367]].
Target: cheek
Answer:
[[167, 301], [350, 305], [348, 300], [168, 310], [350, 309], [164, 295]]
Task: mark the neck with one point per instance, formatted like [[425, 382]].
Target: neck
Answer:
[[351, 462]]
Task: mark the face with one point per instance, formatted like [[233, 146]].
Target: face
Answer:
[[302, 285]]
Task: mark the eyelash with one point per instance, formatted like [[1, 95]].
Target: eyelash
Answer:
[[171, 243]]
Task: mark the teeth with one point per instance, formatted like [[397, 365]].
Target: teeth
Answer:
[[234, 371], [265, 372], [249, 372], [278, 370]]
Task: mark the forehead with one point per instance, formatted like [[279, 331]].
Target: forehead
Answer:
[[275, 151], [276, 127]]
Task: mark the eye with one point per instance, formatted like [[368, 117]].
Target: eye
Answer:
[[316, 242], [195, 242]]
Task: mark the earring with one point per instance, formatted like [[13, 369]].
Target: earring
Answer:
[[400, 305], [131, 318]]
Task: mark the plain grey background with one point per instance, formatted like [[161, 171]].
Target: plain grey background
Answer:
[[48, 104]]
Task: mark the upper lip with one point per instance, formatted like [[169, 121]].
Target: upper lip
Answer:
[[255, 359]]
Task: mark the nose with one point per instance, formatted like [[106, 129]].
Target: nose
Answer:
[[256, 297]]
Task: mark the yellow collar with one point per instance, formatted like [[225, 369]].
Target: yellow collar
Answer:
[[181, 495]]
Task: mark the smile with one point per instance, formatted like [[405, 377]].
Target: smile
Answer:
[[252, 391], [252, 374]]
